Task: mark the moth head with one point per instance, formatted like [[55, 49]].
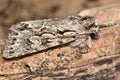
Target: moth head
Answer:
[[87, 22], [94, 32]]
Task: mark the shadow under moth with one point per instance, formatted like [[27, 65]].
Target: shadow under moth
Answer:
[[32, 36]]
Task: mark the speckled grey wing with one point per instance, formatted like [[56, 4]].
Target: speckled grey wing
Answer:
[[33, 36]]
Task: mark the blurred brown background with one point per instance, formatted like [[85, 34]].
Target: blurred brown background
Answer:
[[13, 11]]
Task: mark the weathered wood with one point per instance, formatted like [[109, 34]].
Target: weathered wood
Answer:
[[102, 62]]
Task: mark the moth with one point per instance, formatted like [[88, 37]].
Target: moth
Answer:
[[33, 36]]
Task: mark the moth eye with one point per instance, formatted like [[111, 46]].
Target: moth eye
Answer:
[[94, 35]]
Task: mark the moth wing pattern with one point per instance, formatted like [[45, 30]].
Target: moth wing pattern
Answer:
[[32, 36]]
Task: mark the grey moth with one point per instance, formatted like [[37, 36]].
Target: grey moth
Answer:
[[33, 36]]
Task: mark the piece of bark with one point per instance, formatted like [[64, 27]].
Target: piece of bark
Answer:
[[94, 11], [66, 63]]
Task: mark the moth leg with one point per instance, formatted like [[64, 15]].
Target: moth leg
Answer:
[[89, 43], [48, 52], [84, 45]]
